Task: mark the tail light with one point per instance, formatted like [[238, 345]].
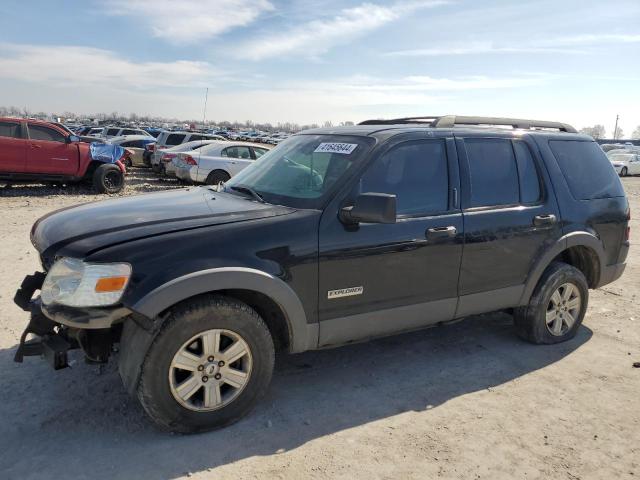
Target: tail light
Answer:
[[167, 157], [150, 147], [627, 232], [189, 160]]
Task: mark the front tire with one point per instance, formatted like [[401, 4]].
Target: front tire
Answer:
[[556, 308], [208, 366], [624, 172], [108, 178]]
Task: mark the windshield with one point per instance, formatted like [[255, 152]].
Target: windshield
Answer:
[[302, 171]]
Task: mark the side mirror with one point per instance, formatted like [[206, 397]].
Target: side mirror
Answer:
[[73, 138], [370, 208]]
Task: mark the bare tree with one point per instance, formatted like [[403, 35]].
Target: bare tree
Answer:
[[636, 133], [597, 131], [618, 134]]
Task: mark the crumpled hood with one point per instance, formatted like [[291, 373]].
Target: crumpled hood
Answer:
[[92, 226]]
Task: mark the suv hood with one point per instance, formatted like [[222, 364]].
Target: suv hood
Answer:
[[83, 229]]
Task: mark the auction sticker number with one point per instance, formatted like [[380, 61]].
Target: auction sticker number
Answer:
[[343, 148]]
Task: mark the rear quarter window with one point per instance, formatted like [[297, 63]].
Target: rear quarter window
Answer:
[[587, 169], [175, 139]]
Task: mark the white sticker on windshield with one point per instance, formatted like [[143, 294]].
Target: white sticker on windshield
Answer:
[[343, 148]]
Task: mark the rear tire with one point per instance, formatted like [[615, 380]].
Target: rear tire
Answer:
[[216, 177], [624, 172], [181, 399], [556, 308], [108, 178]]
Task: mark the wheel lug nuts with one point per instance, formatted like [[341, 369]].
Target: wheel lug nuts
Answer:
[[210, 359], [221, 363], [205, 379], [200, 368], [217, 376]]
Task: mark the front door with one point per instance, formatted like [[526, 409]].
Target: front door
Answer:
[[376, 279], [13, 147], [48, 152]]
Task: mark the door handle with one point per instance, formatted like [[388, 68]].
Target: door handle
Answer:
[[440, 232], [33, 145], [540, 220]]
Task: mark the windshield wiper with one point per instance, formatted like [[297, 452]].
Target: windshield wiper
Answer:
[[249, 190]]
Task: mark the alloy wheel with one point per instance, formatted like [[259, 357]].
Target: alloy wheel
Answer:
[[210, 370], [563, 309]]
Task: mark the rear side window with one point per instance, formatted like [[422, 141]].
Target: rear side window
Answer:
[[39, 132], [493, 172], [113, 131], [527, 173], [175, 139], [416, 172], [237, 152], [587, 169], [9, 129], [130, 132]]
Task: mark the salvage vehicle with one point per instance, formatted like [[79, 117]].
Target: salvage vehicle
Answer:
[[215, 163], [627, 163], [135, 145], [338, 235], [111, 132], [172, 139], [167, 155], [43, 152]]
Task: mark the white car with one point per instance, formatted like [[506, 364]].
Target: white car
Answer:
[[135, 145], [217, 162], [171, 139], [625, 163], [166, 156], [110, 132]]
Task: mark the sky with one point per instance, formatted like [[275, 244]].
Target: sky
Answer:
[[576, 61]]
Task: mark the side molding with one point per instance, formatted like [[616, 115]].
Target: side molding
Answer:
[[302, 336], [569, 240]]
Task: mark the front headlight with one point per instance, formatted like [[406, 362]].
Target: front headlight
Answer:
[[75, 283]]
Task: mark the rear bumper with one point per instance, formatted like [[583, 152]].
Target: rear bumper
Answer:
[[611, 273], [184, 174]]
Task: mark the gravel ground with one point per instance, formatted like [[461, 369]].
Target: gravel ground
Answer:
[[464, 401]]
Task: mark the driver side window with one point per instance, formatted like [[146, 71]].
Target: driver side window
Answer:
[[416, 172]]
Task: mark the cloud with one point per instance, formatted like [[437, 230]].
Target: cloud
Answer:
[[188, 21], [318, 36], [69, 65], [595, 38], [476, 48], [557, 45]]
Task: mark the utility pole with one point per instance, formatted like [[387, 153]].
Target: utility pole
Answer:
[[615, 130]]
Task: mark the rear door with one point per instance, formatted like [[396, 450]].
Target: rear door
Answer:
[[510, 218], [13, 147], [48, 151]]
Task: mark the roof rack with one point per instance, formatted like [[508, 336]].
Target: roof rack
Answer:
[[449, 121]]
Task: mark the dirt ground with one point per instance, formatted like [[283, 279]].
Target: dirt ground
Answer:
[[464, 401]]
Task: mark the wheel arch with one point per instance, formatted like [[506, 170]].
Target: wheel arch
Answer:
[[274, 300], [582, 250]]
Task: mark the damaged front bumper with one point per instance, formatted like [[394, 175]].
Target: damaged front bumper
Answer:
[[56, 329]]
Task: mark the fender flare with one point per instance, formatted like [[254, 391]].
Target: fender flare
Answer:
[[573, 239], [301, 334]]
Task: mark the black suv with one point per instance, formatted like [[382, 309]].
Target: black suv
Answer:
[[338, 235]]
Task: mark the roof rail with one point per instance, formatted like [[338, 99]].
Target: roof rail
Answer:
[[449, 121]]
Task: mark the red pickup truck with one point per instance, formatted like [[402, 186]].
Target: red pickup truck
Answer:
[[36, 151]]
